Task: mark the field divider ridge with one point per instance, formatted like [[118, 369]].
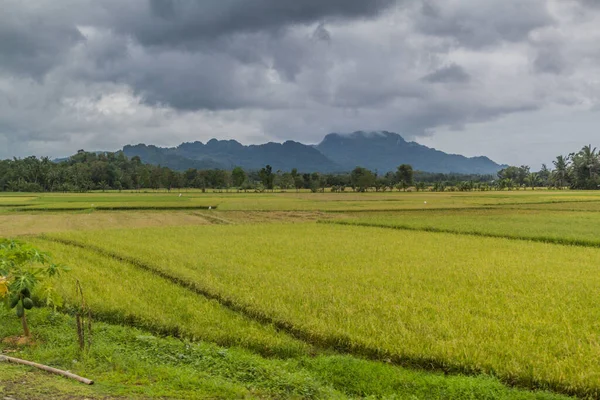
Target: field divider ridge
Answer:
[[213, 219], [116, 208], [582, 210], [538, 239], [540, 202], [428, 209], [338, 343]]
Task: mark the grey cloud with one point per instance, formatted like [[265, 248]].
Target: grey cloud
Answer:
[[477, 24], [451, 74], [413, 117], [164, 72], [214, 54], [589, 3], [549, 61], [35, 36], [168, 78], [181, 22], [232, 77], [32, 43], [548, 45], [321, 33]]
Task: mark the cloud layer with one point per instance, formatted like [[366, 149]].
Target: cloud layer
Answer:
[[101, 74]]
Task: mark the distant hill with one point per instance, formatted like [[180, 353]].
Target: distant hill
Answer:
[[169, 158], [226, 154], [283, 156], [382, 151]]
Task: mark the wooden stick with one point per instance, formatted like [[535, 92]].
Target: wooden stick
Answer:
[[46, 368]]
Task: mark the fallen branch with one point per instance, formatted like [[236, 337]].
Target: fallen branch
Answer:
[[46, 368]]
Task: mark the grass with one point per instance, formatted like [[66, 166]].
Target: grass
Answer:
[[127, 362], [527, 312], [35, 223], [290, 201], [122, 293], [259, 301], [590, 206], [132, 363], [24, 383], [17, 224], [574, 228], [7, 199]]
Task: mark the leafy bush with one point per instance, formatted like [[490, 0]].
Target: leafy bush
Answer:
[[22, 268]]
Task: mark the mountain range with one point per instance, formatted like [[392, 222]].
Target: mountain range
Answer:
[[382, 151]]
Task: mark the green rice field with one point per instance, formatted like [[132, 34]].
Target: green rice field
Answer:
[[562, 227], [293, 201], [455, 295]]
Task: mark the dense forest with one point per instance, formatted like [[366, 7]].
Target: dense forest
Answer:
[[87, 171]]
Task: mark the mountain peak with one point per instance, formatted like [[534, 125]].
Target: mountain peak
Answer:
[[377, 150], [384, 151], [363, 136]]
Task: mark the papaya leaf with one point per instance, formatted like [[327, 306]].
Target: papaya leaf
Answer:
[[3, 286]]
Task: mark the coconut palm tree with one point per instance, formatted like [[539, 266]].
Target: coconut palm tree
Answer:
[[589, 159], [584, 168], [561, 171], [533, 179]]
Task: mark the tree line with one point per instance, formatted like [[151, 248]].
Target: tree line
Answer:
[[87, 171], [579, 170]]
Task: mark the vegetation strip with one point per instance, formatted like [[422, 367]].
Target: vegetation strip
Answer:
[[129, 363], [524, 203], [212, 219], [117, 208], [233, 306], [583, 210], [338, 343], [163, 309], [549, 240], [382, 210]]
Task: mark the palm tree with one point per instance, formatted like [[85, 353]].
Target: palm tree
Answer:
[[589, 158], [561, 173], [533, 179], [544, 175]]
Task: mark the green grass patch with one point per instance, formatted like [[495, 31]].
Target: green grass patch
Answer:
[[526, 312], [127, 362], [114, 207], [569, 228], [296, 201], [120, 292]]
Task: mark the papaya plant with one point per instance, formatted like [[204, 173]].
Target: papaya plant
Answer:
[[22, 268]]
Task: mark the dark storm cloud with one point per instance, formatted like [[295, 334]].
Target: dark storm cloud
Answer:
[[452, 73], [231, 74], [32, 43], [190, 55], [184, 22], [110, 72], [35, 36]]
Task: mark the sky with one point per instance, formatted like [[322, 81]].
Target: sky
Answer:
[[515, 80]]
